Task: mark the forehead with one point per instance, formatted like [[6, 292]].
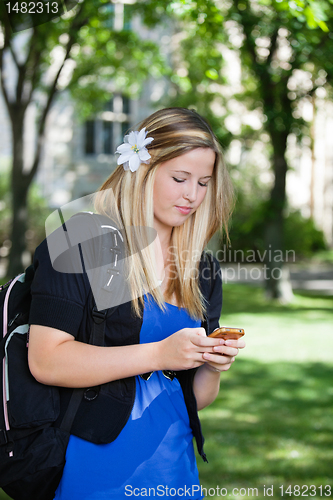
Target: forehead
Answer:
[[199, 161]]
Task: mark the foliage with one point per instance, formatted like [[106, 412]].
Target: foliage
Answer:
[[108, 60], [282, 51], [302, 236], [83, 51], [38, 211], [4, 206], [300, 233], [284, 47]]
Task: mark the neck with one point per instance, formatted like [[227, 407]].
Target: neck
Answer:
[[164, 236]]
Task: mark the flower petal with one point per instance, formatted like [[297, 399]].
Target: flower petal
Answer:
[[134, 163], [144, 155], [141, 137], [132, 138], [124, 148], [125, 157], [147, 141]]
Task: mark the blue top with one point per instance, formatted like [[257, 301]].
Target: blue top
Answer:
[[153, 455]]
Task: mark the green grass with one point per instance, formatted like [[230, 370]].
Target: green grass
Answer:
[[272, 423], [323, 257], [301, 331]]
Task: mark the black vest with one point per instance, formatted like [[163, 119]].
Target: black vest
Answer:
[[101, 419]]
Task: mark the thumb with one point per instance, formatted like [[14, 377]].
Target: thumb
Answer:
[[201, 331]]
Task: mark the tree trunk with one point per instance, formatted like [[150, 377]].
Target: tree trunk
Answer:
[[313, 157], [277, 277], [20, 183]]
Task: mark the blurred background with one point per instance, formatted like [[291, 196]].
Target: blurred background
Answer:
[[261, 72]]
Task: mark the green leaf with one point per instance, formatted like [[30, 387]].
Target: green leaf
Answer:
[[212, 74]]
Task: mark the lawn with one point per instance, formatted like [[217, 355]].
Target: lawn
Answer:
[[271, 426], [272, 423]]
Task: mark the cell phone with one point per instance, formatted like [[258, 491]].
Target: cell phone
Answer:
[[227, 332]]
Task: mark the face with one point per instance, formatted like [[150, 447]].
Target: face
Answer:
[[180, 187]]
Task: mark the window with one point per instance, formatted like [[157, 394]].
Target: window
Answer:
[[118, 15], [106, 132], [108, 147], [90, 137]]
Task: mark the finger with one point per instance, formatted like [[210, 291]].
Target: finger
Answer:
[[240, 343], [203, 341], [217, 359], [226, 351], [218, 367]]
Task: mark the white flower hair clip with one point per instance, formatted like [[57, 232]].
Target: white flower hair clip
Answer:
[[133, 151]]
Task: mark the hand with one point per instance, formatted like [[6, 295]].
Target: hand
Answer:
[[222, 356], [184, 349]]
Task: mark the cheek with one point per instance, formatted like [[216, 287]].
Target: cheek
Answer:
[[201, 196], [170, 191], [163, 196]]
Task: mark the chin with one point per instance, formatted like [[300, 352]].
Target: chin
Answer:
[[180, 222]]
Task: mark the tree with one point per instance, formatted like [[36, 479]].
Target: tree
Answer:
[[85, 38], [275, 46], [276, 41]]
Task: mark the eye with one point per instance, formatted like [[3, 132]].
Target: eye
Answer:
[[203, 185], [178, 180]]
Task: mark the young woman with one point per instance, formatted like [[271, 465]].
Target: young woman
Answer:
[[158, 367]]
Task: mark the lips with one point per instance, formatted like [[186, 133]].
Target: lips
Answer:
[[184, 210]]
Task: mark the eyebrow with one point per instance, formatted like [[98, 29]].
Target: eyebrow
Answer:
[[189, 173]]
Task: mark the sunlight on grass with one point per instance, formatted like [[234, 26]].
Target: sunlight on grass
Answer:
[[301, 331], [272, 423], [269, 428]]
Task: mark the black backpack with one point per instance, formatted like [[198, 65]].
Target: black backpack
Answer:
[[32, 446]]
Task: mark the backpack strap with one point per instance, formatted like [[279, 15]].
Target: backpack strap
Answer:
[[207, 257], [97, 337], [72, 409]]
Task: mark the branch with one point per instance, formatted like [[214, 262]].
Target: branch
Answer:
[[248, 43], [4, 91], [12, 51], [7, 30], [74, 30], [34, 75], [36, 55], [23, 68], [7, 39], [273, 46]]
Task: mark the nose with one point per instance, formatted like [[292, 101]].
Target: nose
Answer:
[[191, 191]]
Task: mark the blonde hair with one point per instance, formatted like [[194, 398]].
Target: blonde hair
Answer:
[[176, 131]]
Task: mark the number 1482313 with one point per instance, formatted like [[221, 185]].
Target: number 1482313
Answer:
[[304, 490]]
